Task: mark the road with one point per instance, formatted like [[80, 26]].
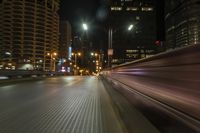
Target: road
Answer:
[[58, 105]]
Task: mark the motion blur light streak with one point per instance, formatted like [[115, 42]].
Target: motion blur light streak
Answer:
[[3, 77], [172, 78]]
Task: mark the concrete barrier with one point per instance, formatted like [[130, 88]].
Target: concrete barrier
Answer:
[[170, 78]]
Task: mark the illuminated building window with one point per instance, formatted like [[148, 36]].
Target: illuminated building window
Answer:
[[131, 8], [137, 18], [116, 8], [115, 60], [131, 51], [147, 9], [131, 55]]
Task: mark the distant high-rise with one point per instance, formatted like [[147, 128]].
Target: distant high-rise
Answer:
[[65, 39], [29, 34], [182, 23], [65, 46], [138, 42]]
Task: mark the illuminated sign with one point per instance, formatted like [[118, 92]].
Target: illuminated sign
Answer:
[[70, 53]]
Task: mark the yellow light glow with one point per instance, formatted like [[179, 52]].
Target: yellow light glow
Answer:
[[79, 54]]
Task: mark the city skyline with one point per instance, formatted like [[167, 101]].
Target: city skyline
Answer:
[[99, 66]]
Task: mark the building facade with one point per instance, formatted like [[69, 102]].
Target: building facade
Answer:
[[182, 23], [65, 47], [138, 42], [29, 34], [65, 38]]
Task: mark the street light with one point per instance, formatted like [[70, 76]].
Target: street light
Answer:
[[53, 61], [79, 54], [75, 58], [130, 27], [97, 62], [85, 27], [110, 42], [55, 53]]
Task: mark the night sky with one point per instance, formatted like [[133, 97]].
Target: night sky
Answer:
[[74, 9], [94, 13], [77, 11]]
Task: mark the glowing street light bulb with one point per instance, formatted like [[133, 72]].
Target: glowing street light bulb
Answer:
[[55, 54], [85, 27], [79, 54], [130, 27]]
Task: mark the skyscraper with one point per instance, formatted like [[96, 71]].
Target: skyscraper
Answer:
[[138, 42], [182, 23], [29, 34], [65, 38], [65, 45]]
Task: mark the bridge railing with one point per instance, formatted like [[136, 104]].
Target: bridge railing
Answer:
[[10, 74], [170, 79]]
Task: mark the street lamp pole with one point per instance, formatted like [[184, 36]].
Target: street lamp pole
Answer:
[[75, 59], [52, 61], [44, 62], [98, 61], [110, 50], [110, 44]]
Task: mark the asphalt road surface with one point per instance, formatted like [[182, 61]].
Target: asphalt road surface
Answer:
[[58, 105]]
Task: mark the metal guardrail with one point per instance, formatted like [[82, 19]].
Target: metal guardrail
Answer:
[[171, 78]]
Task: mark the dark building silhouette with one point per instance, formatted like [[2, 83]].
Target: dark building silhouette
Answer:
[[182, 23], [140, 41], [65, 39], [65, 46]]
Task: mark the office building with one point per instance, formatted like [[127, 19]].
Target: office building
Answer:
[[29, 34], [65, 47], [182, 23], [65, 39], [137, 41]]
